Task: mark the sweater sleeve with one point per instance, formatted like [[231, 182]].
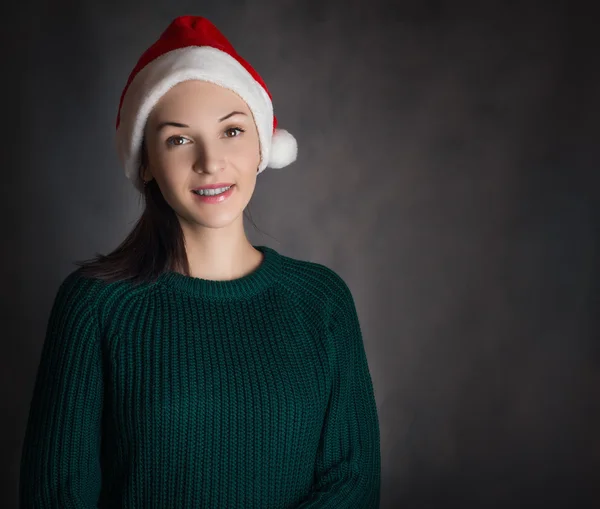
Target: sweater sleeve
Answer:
[[60, 458], [348, 471]]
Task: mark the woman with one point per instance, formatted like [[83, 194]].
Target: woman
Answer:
[[190, 368]]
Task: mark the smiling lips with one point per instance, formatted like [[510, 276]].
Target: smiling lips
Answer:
[[214, 198], [213, 186]]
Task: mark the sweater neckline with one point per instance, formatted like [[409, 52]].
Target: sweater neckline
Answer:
[[255, 282]]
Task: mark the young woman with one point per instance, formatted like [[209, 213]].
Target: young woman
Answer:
[[189, 368]]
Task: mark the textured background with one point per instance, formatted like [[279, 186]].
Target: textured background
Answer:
[[448, 170]]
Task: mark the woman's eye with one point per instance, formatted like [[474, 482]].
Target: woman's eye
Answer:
[[234, 129], [173, 140]]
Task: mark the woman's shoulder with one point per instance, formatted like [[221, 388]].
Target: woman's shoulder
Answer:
[[78, 288], [78, 280], [75, 285], [315, 277]]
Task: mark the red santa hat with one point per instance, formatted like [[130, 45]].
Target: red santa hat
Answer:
[[192, 48]]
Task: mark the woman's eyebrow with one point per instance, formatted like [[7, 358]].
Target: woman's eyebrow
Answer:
[[178, 124], [165, 124], [231, 115]]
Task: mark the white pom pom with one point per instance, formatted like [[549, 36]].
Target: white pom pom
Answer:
[[284, 149]]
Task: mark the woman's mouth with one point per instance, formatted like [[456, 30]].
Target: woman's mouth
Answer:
[[213, 195]]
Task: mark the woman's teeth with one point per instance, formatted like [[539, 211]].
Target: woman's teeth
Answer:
[[211, 192]]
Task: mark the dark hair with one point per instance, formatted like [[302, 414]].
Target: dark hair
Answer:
[[155, 245]]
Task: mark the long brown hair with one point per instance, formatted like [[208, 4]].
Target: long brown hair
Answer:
[[155, 245]]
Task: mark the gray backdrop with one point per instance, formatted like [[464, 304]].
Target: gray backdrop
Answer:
[[447, 170]]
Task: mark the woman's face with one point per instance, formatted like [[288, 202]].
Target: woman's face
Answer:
[[205, 146]]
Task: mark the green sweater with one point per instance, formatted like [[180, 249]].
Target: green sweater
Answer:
[[193, 393]]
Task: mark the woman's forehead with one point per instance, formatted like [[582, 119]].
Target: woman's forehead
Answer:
[[203, 93], [197, 99]]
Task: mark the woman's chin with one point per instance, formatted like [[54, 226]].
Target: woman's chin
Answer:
[[214, 220]]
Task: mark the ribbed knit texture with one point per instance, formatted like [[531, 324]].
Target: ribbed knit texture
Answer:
[[190, 393]]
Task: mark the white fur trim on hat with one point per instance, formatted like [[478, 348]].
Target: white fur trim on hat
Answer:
[[207, 64], [284, 149]]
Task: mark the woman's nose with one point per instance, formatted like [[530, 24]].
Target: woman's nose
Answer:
[[209, 160]]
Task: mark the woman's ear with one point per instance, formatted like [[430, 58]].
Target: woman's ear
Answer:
[[145, 175]]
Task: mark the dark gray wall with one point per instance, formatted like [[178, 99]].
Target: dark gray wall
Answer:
[[448, 158]]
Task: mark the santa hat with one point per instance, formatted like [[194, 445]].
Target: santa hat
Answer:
[[192, 48]]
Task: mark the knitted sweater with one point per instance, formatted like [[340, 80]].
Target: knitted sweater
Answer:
[[193, 393]]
